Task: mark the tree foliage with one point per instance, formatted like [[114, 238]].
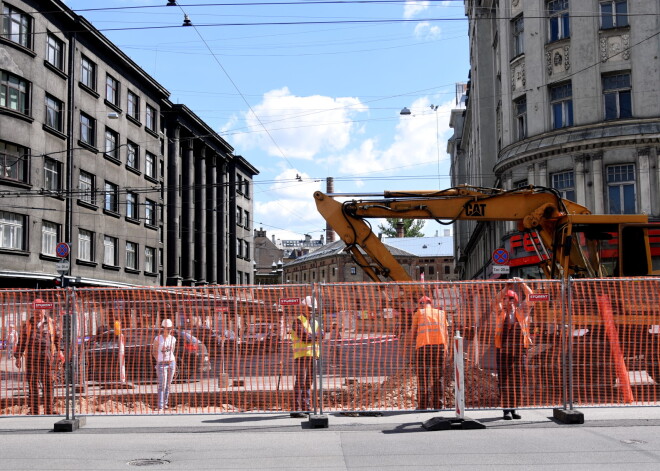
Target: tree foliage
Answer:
[[411, 227]]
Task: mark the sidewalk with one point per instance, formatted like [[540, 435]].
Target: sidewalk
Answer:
[[165, 423]]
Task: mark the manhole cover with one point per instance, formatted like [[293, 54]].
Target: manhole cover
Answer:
[[633, 442], [147, 462]]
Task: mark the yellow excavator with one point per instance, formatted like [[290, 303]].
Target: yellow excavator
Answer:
[[572, 242]]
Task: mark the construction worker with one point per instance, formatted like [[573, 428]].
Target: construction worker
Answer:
[[429, 329], [512, 340], [39, 344], [305, 335]]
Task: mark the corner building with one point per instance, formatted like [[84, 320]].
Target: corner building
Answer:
[[561, 94], [87, 144]]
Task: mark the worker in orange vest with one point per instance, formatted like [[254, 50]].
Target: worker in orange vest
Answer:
[[429, 329], [512, 341], [39, 344]]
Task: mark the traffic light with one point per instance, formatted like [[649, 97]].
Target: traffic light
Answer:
[[61, 282]]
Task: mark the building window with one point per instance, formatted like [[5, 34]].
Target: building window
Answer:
[[132, 155], [561, 102], [239, 216], [133, 106], [50, 235], [353, 271], [110, 251], [16, 26], [85, 245], [246, 222], [14, 93], [239, 248], [55, 51], [564, 182], [150, 212], [150, 165], [131, 255], [518, 30], [12, 231], [51, 175], [520, 110], [111, 144], [247, 251], [613, 14], [618, 96], [54, 113], [13, 162], [87, 188], [149, 260], [87, 130], [112, 90], [111, 197], [246, 188], [150, 118], [558, 23], [621, 189], [132, 205], [521, 183], [88, 73]]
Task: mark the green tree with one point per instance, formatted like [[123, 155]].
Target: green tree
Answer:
[[411, 227]]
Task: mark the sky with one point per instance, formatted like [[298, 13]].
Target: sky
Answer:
[[307, 89]]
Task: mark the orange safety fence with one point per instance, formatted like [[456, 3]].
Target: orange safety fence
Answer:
[[589, 343]]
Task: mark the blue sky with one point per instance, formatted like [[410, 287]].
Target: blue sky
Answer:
[[307, 88]]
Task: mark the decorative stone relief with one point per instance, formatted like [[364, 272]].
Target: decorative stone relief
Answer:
[[516, 7], [518, 80], [557, 60], [615, 48]]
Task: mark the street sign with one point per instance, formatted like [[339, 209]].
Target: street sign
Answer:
[[62, 249], [289, 301], [501, 256], [62, 267], [501, 269], [538, 297]]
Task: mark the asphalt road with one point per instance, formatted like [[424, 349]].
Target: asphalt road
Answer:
[[610, 439]]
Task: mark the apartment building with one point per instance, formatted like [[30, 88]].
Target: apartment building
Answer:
[[561, 94], [91, 152]]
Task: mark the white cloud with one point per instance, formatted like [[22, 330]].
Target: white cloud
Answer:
[[413, 8], [299, 127], [427, 31], [416, 141], [287, 208]]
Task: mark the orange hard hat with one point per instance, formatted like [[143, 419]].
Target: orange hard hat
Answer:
[[512, 294]]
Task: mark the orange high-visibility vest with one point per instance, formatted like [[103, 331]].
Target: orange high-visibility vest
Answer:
[[431, 327], [304, 349], [523, 321]]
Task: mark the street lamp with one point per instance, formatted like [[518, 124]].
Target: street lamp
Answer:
[[406, 112]]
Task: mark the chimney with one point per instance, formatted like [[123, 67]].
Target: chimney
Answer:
[[400, 231], [329, 188]]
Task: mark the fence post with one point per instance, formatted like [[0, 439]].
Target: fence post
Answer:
[[567, 414], [70, 423], [317, 419]]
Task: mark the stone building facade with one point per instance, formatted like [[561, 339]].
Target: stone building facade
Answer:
[[562, 94], [91, 152]]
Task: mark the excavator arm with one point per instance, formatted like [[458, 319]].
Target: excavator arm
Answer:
[[532, 208]]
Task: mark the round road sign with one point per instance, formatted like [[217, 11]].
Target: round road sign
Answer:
[[62, 250], [501, 256]]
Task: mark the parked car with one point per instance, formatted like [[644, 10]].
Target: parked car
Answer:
[[260, 336], [102, 356]]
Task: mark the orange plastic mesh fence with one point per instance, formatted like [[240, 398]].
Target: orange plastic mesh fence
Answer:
[[234, 347]]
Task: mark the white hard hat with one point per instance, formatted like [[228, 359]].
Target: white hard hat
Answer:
[[167, 323], [309, 302]]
